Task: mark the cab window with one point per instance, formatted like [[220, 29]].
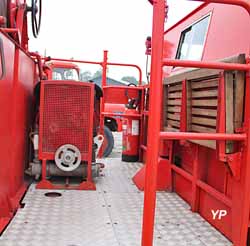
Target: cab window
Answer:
[[192, 40]]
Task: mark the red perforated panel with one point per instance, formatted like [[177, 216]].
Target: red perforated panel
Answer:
[[66, 116]]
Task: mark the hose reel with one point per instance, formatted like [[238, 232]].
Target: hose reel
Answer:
[[68, 157]]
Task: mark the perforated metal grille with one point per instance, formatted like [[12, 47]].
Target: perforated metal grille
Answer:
[[66, 116]]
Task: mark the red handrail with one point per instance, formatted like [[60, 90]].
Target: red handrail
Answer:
[[202, 136], [209, 65], [243, 3]]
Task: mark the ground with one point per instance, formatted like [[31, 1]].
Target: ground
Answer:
[[109, 216]]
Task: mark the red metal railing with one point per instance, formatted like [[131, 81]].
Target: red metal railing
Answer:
[[104, 65], [154, 134]]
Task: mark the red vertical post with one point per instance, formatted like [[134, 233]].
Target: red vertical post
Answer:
[[195, 188], [104, 79], [241, 188], [154, 123]]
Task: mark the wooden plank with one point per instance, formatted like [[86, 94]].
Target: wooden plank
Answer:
[[191, 74], [229, 95], [239, 93], [196, 128], [206, 143], [174, 102], [174, 109], [164, 105], [170, 129], [189, 106], [207, 93], [194, 73], [204, 121], [173, 123], [174, 116], [208, 103], [205, 84], [175, 95], [175, 88], [202, 112]]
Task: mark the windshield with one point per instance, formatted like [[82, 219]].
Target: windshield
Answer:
[[65, 74]]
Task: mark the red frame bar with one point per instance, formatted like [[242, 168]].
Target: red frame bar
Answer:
[[101, 64], [209, 65], [154, 123], [202, 136], [243, 3]]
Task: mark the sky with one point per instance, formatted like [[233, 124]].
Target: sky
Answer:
[[82, 29]]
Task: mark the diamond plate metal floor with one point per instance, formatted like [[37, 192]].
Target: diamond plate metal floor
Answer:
[[109, 216]]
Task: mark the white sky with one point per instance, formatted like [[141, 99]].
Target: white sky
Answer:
[[84, 28]]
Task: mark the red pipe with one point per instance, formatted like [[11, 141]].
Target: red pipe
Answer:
[[101, 63], [104, 82], [9, 30], [122, 115], [209, 65], [202, 136], [39, 63], [72, 60], [243, 3], [129, 65], [154, 123]]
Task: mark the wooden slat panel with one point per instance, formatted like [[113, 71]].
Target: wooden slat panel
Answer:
[[175, 88], [207, 93], [209, 103], [174, 123], [202, 129], [174, 102], [207, 112], [173, 117], [205, 84], [170, 129], [204, 121], [206, 143], [174, 109], [191, 74], [175, 95]]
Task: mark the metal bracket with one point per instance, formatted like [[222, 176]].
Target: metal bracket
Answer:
[[233, 161]]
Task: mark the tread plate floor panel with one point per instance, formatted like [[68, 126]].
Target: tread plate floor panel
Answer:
[[109, 216]]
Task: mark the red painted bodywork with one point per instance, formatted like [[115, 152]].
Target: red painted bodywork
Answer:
[[117, 109], [16, 92]]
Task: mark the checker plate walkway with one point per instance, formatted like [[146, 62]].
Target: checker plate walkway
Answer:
[[109, 216]]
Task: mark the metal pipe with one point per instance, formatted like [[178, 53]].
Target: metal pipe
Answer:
[[202, 136], [243, 3], [209, 65], [154, 123], [72, 60], [100, 63], [35, 169], [122, 115], [104, 81], [129, 65]]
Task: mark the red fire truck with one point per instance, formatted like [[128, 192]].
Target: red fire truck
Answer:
[[190, 185]]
